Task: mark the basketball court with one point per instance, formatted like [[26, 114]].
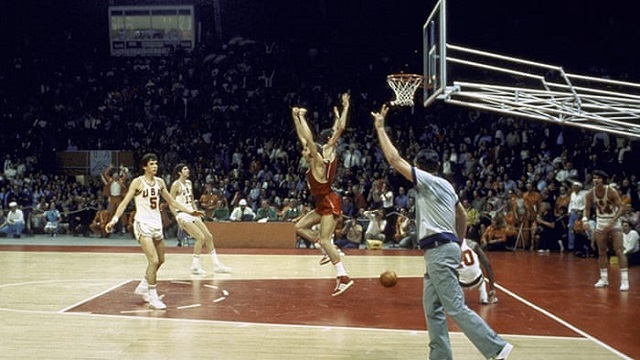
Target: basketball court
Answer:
[[70, 301], [73, 299]]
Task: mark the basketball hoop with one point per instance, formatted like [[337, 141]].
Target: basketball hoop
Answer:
[[404, 86]]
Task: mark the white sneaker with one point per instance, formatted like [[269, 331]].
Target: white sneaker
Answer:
[[197, 270], [156, 304], [601, 283], [486, 301], [624, 286], [221, 269], [504, 353], [142, 291]]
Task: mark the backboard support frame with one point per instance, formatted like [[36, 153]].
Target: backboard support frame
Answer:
[[524, 88], [434, 53]]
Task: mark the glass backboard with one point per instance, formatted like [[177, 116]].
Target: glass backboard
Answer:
[[434, 53]]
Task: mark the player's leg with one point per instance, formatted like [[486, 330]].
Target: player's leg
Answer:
[[327, 227], [442, 265], [436, 319], [304, 225], [208, 243], [188, 224], [152, 246], [601, 241], [158, 245], [618, 247], [153, 258], [482, 289]]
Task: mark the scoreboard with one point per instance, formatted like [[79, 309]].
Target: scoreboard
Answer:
[[150, 30]]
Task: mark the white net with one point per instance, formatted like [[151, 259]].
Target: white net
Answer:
[[404, 86]]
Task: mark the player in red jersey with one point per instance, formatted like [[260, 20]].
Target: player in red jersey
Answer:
[[322, 169]]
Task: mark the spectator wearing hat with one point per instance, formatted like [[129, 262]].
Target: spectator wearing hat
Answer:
[[242, 212], [14, 223]]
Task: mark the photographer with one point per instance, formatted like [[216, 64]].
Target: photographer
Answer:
[[377, 224], [406, 231], [351, 235]]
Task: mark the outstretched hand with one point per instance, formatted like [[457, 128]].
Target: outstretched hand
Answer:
[[378, 117], [345, 99]]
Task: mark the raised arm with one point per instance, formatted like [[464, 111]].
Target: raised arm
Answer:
[[303, 130], [390, 152], [340, 122], [105, 175], [124, 173], [296, 122]]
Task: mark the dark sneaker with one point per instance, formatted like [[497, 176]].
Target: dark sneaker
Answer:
[[342, 284]]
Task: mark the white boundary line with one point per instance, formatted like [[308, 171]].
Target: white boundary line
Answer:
[[93, 297], [562, 322]]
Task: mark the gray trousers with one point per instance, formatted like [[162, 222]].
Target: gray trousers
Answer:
[[442, 293]]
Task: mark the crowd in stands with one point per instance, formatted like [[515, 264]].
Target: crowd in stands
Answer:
[[225, 111]]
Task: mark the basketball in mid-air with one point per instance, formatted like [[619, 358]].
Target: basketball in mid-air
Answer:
[[388, 278]]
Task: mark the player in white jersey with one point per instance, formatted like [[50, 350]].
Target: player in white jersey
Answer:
[[608, 231], [147, 190], [182, 191], [471, 274]]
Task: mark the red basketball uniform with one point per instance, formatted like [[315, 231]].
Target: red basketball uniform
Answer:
[[327, 202]]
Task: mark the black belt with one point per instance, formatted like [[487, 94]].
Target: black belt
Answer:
[[436, 240], [435, 244], [473, 283]]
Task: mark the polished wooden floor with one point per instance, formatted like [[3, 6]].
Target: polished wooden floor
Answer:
[[77, 302]]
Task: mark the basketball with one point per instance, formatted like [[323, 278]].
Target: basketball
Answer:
[[388, 278]]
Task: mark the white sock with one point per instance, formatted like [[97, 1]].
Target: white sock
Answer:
[[483, 291], [604, 274], [153, 292], [196, 260], [214, 258], [624, 275], [144, 282], [340, 271]]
